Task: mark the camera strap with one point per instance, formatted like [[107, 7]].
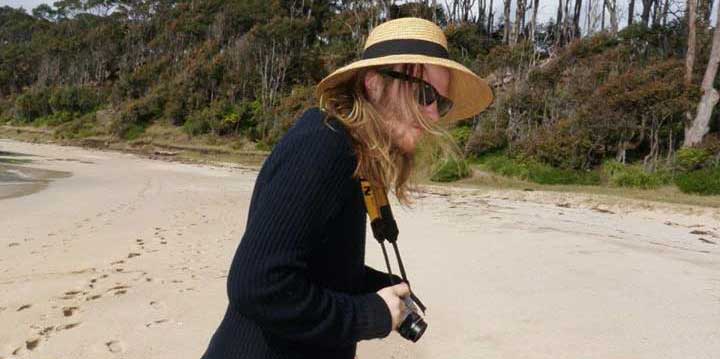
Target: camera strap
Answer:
[[385, 228]]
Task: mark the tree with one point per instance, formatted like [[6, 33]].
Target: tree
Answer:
[[690, 57], [701, 125], [517, 27], [533, 20], [506, 17], [611, 6]]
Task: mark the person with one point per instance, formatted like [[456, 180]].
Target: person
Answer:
[[298, 286]]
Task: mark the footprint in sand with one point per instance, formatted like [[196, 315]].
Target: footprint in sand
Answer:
[[69, 311], [155, 304], [46, 331], [67, 326], [155, 323], [71, 294], [133, 254], [32, 343], [114, 346], [119, 289], [23, 307], [93, 297]]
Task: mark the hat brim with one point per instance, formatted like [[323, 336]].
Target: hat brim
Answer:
[[469, 93]]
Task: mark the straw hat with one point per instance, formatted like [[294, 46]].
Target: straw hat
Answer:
[[414, 40]]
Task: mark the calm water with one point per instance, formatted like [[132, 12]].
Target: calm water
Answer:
[[17, 180]]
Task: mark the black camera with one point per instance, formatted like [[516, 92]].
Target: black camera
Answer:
[[413, 326]]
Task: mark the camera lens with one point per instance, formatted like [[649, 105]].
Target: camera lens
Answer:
[[413, 327]]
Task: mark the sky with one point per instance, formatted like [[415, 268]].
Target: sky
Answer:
[[546, 11]]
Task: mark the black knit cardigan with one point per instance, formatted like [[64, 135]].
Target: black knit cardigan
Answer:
[[298, 286]]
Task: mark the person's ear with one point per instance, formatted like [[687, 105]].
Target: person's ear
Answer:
[[373, 85]]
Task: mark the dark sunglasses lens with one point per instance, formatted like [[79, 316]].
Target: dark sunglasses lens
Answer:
[[427, 95], [444, 106]]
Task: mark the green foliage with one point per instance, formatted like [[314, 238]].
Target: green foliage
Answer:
[[78, 127], [75, 99], [534, 171], [621, 175], [136, 116], [704, 182], [32, 104], [222, 118], [451, 170], [461, 134], [55, 119], [466, 42], [248, 68], [689, 159]]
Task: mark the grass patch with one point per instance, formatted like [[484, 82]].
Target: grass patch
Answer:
[[621, 175], [451, 170], [534, 171]]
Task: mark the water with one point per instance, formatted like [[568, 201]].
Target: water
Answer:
[[16, 180]]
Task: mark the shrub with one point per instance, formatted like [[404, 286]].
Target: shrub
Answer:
[[78, 127], [622, 175], [32, 104], [689, 159], [461, 134], [546, 174], [197, 123], [221, 118], [74, 99], [531, 170], [55, 119], [136, 116], [451, 170], [704, 182]]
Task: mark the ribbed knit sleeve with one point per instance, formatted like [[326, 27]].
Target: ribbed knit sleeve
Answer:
[[376, 280], [268, 280]]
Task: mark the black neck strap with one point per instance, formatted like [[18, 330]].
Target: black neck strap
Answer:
[[385, 228]]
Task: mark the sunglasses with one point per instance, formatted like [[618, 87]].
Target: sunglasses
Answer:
[[427, 94]]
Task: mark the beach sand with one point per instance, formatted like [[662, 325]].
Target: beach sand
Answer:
[[127, 257]]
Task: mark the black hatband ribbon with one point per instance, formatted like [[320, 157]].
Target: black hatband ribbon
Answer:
[[405, 47]]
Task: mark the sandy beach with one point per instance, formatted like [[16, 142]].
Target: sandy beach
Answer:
[[119, 256]]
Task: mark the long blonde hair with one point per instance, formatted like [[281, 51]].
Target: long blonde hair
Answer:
[[379, 161]]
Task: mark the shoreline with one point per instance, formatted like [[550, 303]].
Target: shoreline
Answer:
[[591, 196]]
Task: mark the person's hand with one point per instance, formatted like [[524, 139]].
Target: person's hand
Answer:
[[393, 299]]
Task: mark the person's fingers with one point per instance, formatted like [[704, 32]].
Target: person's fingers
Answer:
[[401, 290]]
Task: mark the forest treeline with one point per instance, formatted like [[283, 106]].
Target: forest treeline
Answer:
[[577, 99]]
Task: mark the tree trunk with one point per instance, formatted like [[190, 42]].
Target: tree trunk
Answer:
[[690, 57], [701, 125], [612, 8], [490, 18], [506, 17], [645, 17], [558, 24], [666, 9], [704, 8], [517, 25], [576, 18], [533, 20], [631, 12]]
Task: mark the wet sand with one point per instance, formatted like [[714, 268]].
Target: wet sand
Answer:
[[19, 178], [128, 257]]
